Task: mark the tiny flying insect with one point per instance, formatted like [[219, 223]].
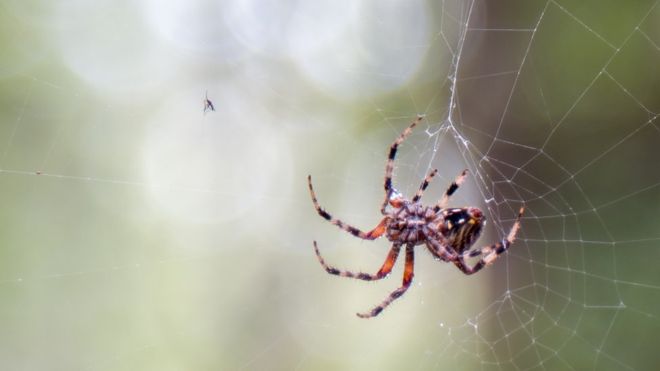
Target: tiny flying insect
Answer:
[[208, 105]]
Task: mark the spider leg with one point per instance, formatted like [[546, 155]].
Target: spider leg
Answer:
[[439, 251], [450, 191], [408, 274], [460, 263], [425, 184], [390, 161], [384, 270], [491, 252], [371, 235]]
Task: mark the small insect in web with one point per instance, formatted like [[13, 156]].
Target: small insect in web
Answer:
[[448, 233], [208, 105]]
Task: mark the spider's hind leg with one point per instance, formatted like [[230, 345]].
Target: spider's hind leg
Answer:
[[384, 270], [450, 191], [425, 184], [489, 253]]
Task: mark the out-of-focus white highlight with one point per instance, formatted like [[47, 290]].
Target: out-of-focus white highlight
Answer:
[[364, 55], [108, 46], [197, 28], [261, 25]]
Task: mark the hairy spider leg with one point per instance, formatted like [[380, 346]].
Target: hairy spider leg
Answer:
[[450, 191], [425, 184], [408, 274], [371, 235], [384, 270], [491, 252], [389, 166], [441, 251]]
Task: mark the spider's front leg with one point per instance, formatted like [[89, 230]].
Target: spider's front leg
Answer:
[[384, 270], [371, 235], [489, 253], [389, 166], [408, 274]]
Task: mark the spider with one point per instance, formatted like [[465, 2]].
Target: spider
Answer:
[[208, 105], [448, 233]]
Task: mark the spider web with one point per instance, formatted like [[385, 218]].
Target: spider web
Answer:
[[140, 233], [570, 133]]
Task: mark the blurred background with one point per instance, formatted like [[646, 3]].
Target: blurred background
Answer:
[[138, 232]]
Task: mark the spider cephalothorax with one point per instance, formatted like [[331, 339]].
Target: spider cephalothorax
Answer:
[[448, 233]]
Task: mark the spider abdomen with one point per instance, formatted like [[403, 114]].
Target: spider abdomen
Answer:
[[462, 227]]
